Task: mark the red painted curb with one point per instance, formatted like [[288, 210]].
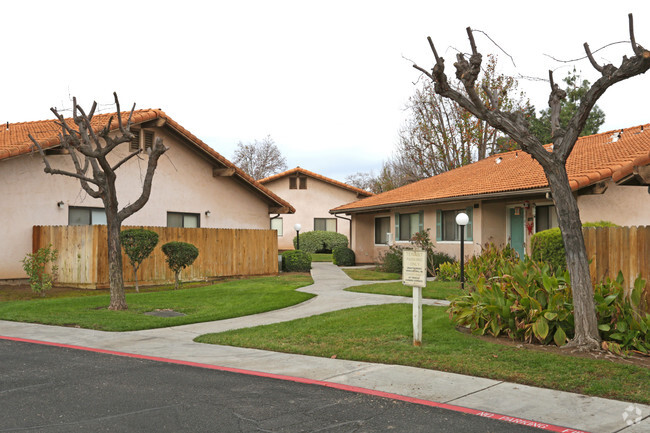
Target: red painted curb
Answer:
[[496, 416]]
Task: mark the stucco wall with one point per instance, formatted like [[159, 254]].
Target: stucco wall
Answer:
[[622, 205], [310, 203], [183, 183], [364, 232]]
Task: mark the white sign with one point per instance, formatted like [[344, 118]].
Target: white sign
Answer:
[[414, 268]]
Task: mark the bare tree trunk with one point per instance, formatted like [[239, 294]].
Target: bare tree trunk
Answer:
[[568, 214], [115, 277]]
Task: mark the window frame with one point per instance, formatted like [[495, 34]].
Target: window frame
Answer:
[[469, 228], [382, 217], [398, 223], [326, 220], [183, 215], [281, 231], [90, 210]]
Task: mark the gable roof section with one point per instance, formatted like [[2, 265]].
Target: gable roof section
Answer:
[[299, 170], [14, 141], [612, 154]]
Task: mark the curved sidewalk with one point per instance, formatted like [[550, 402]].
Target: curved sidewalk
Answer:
[[491, 396]]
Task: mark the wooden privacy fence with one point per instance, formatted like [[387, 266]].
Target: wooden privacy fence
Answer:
[[614, 249], [83, 254]]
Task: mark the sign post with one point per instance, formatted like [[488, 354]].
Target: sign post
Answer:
[[414, 274]]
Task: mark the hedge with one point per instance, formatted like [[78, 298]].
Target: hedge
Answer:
[[343, 256], [320, 241], [296, 261]]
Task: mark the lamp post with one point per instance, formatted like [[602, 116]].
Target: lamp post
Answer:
[[297, 228], [462, 219]]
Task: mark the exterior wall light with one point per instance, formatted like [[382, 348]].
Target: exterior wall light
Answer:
[[60, 204], [207, 213]]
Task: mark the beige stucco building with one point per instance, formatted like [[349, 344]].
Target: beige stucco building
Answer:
[[312, 195], [507, 198], [193, 186]]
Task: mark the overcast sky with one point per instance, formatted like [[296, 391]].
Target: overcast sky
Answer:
[[328, 80]]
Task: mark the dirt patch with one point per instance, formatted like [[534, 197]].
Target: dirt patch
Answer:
[[633, 359]]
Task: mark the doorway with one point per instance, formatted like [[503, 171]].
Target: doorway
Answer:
[[517, 238]]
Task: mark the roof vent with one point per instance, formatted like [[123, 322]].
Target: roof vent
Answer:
[[615, 137], [498, 160]]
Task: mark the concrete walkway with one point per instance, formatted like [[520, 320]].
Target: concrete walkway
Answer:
[[570, 410]]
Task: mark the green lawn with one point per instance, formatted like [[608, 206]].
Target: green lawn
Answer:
[[433, 290], [321, 257], [200, 304], [383, 334], [365, 274]]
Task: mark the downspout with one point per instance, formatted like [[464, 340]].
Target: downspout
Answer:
[[350, 220]]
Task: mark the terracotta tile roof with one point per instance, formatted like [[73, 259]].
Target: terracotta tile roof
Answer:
[[14, 141], [299, 170], [594, 158]]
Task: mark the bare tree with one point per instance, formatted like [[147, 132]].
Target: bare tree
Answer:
[[439, 135], [553, 161], [89, 152], [260, 159]]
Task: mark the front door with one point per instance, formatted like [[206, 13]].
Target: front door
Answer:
[[517, 230]]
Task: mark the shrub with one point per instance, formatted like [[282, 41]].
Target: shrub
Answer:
[[343, 256], [527, 302], [547, 246], [320, 241], [391, 260], [179, 256], [138, 244], [296, 261], [623, 321], [449, 271], [35, 265], [437, 259], [524, 301]]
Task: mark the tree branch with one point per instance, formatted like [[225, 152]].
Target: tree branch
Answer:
[[555, 103], [591, 59], [158, 149], [125, 159]]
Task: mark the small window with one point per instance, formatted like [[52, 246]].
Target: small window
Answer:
[[135, 141], [303, 182], [448, 230], [382, 230], [185, 220], [148, 140], [293, 181], [277, 224], [545, 218], [325, 224], [86, 216], [407, 224], [298, 182]]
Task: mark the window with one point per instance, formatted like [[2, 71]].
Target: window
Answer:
[[298, 182], [325, 224], [86, 216], [446, 227], [545, 218], [408, 224], [185, 220], [148, 140], [276, 224], [135, 141], [382, 230]]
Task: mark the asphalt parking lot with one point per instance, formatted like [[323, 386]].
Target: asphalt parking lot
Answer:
[[53, 389]]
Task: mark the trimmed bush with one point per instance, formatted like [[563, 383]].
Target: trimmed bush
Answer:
[[449, 271], [320, 241], [547, 246], [296, 261], [138, 244], [179, 256], [343, 256], [438, 259]]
